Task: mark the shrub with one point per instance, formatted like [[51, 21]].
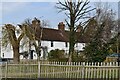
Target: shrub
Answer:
[[57, 55]]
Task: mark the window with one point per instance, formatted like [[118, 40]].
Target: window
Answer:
[[76, 44], [51, 43], [66, 44]]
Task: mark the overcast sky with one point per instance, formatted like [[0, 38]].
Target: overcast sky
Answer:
[[16, 11]]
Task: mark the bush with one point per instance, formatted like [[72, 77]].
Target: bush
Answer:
[[57, 55]]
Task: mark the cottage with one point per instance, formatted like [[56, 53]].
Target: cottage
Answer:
[[51, 39], [56, 39]]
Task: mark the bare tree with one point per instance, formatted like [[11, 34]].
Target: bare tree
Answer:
[[9, 36], [34, 31], [104, 12], [74, 10]]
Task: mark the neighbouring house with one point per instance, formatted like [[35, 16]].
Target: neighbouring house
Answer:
[[51, 39]]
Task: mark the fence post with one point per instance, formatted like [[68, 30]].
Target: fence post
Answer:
[[0, 71], [39, 69], [6, 70]]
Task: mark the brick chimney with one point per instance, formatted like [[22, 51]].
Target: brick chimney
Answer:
[[61, 26], [79, 28], [35, 23]]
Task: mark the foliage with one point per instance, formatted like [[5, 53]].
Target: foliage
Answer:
[[96, 50], [57, 55], [114, 44], [79, 57], [99, 44]]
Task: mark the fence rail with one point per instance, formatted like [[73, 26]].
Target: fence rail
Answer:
[[61, 70]]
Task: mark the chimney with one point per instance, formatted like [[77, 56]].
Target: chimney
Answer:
[[61, 26], [35, 23], [79, 28]]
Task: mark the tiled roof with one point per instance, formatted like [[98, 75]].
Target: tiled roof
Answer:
[[49, 34], [54, 35]]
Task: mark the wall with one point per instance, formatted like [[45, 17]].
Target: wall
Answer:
[[56, 45]]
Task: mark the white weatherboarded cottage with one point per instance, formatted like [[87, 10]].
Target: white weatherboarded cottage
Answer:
[[51, 39]]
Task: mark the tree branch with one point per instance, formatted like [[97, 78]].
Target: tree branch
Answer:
[[20, 37], [67, 22], [65, 5], [81, 9]]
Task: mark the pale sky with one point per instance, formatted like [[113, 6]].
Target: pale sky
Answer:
[[16, 11]]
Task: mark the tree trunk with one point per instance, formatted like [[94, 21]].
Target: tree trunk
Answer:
[[70, 57], [38, 54], [71, 45], [39, 49], [16, 55], [71, 52]]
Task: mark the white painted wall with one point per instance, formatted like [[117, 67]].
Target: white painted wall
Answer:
[[56, 45], [8, 53], [61, 46]]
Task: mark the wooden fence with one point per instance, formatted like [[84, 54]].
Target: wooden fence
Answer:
[[86, 70]]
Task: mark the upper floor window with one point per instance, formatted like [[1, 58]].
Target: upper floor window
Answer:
[[66, 44], [51, 43]]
